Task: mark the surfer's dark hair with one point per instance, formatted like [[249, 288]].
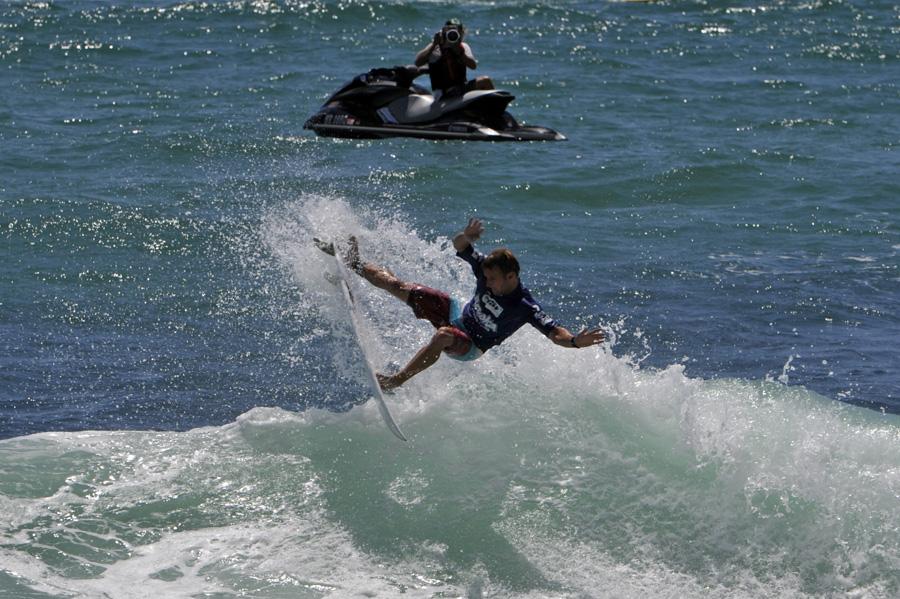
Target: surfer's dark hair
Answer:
[[502, 259]]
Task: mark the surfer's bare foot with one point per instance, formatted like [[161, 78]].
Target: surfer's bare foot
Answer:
[[325, 246], [352, 258], [387, 383]]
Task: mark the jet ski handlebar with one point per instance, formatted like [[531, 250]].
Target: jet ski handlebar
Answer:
[[404, 75]]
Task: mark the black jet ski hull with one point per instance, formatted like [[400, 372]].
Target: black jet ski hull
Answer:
[[454, 132]]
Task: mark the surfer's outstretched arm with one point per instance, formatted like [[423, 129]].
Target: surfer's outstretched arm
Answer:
[[561, 336], [469, 235]]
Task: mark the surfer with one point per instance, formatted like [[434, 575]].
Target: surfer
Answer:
[[448, 57], [501, 305]]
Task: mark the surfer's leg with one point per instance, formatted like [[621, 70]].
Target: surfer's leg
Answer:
[[443, 339], [378, 276], [384, 279]]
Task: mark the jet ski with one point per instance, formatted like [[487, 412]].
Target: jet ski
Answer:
[[385, 102]]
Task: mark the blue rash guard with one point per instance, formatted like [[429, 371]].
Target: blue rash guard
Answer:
[[489, 319]]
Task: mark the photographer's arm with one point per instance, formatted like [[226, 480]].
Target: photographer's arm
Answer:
[[469, 57], [424, 53]]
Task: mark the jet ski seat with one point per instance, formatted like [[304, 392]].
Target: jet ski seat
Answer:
[[420, 108]]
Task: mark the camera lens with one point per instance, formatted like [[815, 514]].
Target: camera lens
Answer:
[[452, 35]]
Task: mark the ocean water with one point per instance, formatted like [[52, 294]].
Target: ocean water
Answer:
[[178, 389]]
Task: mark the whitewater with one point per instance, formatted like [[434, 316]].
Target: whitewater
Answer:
[[534, 471]]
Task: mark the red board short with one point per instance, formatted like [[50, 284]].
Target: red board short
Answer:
[[436, 307]]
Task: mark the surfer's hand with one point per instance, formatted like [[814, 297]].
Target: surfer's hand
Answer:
[[474, 229], [589, 337]]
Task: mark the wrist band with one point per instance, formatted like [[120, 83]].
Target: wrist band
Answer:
[[572, 341]]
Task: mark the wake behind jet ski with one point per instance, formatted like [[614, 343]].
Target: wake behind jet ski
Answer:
[[386, 103]]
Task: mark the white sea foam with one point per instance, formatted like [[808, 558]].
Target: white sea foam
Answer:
[[536, 471]]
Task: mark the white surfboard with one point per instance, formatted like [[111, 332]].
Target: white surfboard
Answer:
[[344, 283]]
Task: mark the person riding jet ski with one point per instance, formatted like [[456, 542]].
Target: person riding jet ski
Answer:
[[385, 102], [448, 57]]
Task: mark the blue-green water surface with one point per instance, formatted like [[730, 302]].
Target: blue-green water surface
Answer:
[[176, 381]]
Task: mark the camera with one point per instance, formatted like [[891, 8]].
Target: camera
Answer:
[[451, 35]]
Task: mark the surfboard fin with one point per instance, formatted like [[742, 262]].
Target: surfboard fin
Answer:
[[325, 246], [351, 259]]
